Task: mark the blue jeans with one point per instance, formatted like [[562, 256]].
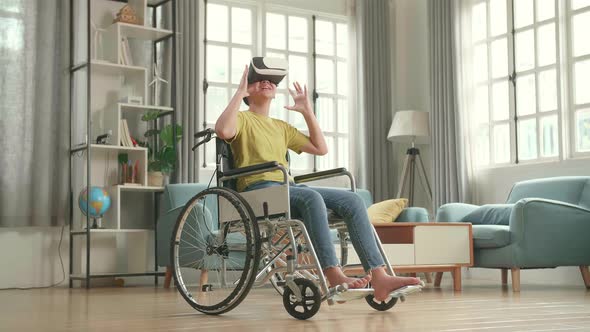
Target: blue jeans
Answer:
[[311, 204]]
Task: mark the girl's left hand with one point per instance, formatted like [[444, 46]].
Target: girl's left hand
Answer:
[[302, 104]]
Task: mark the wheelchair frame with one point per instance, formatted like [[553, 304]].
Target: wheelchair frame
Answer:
[[293, 289]]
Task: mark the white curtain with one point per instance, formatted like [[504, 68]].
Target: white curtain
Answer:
[[34, 116]]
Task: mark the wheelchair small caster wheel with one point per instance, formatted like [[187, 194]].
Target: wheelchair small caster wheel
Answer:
[[206, 288], [380, 305], [310, 302]]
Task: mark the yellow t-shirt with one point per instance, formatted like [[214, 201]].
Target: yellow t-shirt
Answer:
[[260, 139]]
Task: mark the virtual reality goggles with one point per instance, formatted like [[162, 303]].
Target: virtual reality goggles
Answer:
[[267, 69]]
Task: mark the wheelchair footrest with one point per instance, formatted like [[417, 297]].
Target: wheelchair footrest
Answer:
[[356, 294]]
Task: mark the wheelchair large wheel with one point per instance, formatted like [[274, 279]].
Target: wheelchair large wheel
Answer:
[[215, 257]]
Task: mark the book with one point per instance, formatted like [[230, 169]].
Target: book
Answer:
[[125, 136], [126, 58]]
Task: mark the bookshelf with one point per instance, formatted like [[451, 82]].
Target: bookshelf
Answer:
[[111, 68]]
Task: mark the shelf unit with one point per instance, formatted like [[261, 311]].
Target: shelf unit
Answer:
[[99, 82]]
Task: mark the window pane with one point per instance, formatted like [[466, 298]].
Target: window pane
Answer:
[[297, 34], [342, 78], [545, 9], [241, 25], [527, 139], [502, 143], [327, 161], [343, 114], [325, 113], [296, 119], [217, 100], [523, 13], [582, 82], [217, 64], [498, 13], [301, 162], [482, 145], [479, 22], [583, 130], [547, 90], [482, 108], [500, 101], [525, 95], [525, 50], [480, 63], [343, 152], [499, 58], [324, 37], [546, 44], [342, 40], [549, 136], [297, 70], [217, 22], [240, 57], [580, 3], [277, 107], [580, 28], [325, 75], [275, 31], [13, 6]]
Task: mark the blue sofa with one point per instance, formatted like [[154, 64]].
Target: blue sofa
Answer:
[[175, 196], [549, 226]]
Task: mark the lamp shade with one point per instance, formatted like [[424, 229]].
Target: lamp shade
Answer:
[[410, 126]]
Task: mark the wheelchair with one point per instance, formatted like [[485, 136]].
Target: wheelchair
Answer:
[[225, 242]]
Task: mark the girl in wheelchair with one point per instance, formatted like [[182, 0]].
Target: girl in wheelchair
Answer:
[[256, 138]]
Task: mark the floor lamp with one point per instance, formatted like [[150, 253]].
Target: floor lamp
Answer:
[[411, 127]]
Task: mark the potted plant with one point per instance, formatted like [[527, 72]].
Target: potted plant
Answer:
[[161, 157]]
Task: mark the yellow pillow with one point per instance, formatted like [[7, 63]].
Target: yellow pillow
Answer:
[[387, 211]]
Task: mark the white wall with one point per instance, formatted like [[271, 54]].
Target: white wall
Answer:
[[29, 256]]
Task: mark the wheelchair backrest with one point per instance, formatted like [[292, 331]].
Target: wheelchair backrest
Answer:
[[275, 197]]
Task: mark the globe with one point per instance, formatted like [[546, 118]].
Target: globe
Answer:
[[97, 202]]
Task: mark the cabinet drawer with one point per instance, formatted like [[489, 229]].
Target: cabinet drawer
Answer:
[[442, 245], [398, 254]]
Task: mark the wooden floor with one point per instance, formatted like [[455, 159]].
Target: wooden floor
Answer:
[[485, 306]]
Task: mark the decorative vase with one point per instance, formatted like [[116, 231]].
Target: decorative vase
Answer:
[[155, 179]]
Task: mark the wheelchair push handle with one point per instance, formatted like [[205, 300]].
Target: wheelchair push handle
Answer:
[[207, 133]]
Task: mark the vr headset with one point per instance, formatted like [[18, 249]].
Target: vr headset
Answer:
[[267, 69]]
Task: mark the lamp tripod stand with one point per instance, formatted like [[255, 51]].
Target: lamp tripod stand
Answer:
[[409, 175]]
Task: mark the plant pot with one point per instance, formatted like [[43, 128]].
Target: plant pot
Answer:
[[155, 179]]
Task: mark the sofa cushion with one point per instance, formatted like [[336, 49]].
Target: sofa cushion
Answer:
[[386, 211], [490, 214], [491, 236]]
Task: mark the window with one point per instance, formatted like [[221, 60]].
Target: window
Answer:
[[516, 95], [289, 35], [579, 75]]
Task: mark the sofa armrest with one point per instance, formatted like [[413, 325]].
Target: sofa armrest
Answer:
[[454, 212], [550, 233], [413, 214]]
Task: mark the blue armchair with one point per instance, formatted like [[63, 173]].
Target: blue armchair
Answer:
[[549, 226], [175, 196]]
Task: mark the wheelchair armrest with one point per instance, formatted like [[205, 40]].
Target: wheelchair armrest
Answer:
[[325, 175], [253, 168]]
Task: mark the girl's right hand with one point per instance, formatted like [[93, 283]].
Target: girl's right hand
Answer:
[[243, 88]]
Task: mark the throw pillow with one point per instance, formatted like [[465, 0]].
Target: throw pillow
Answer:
[[490, 214], [386, 211]]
